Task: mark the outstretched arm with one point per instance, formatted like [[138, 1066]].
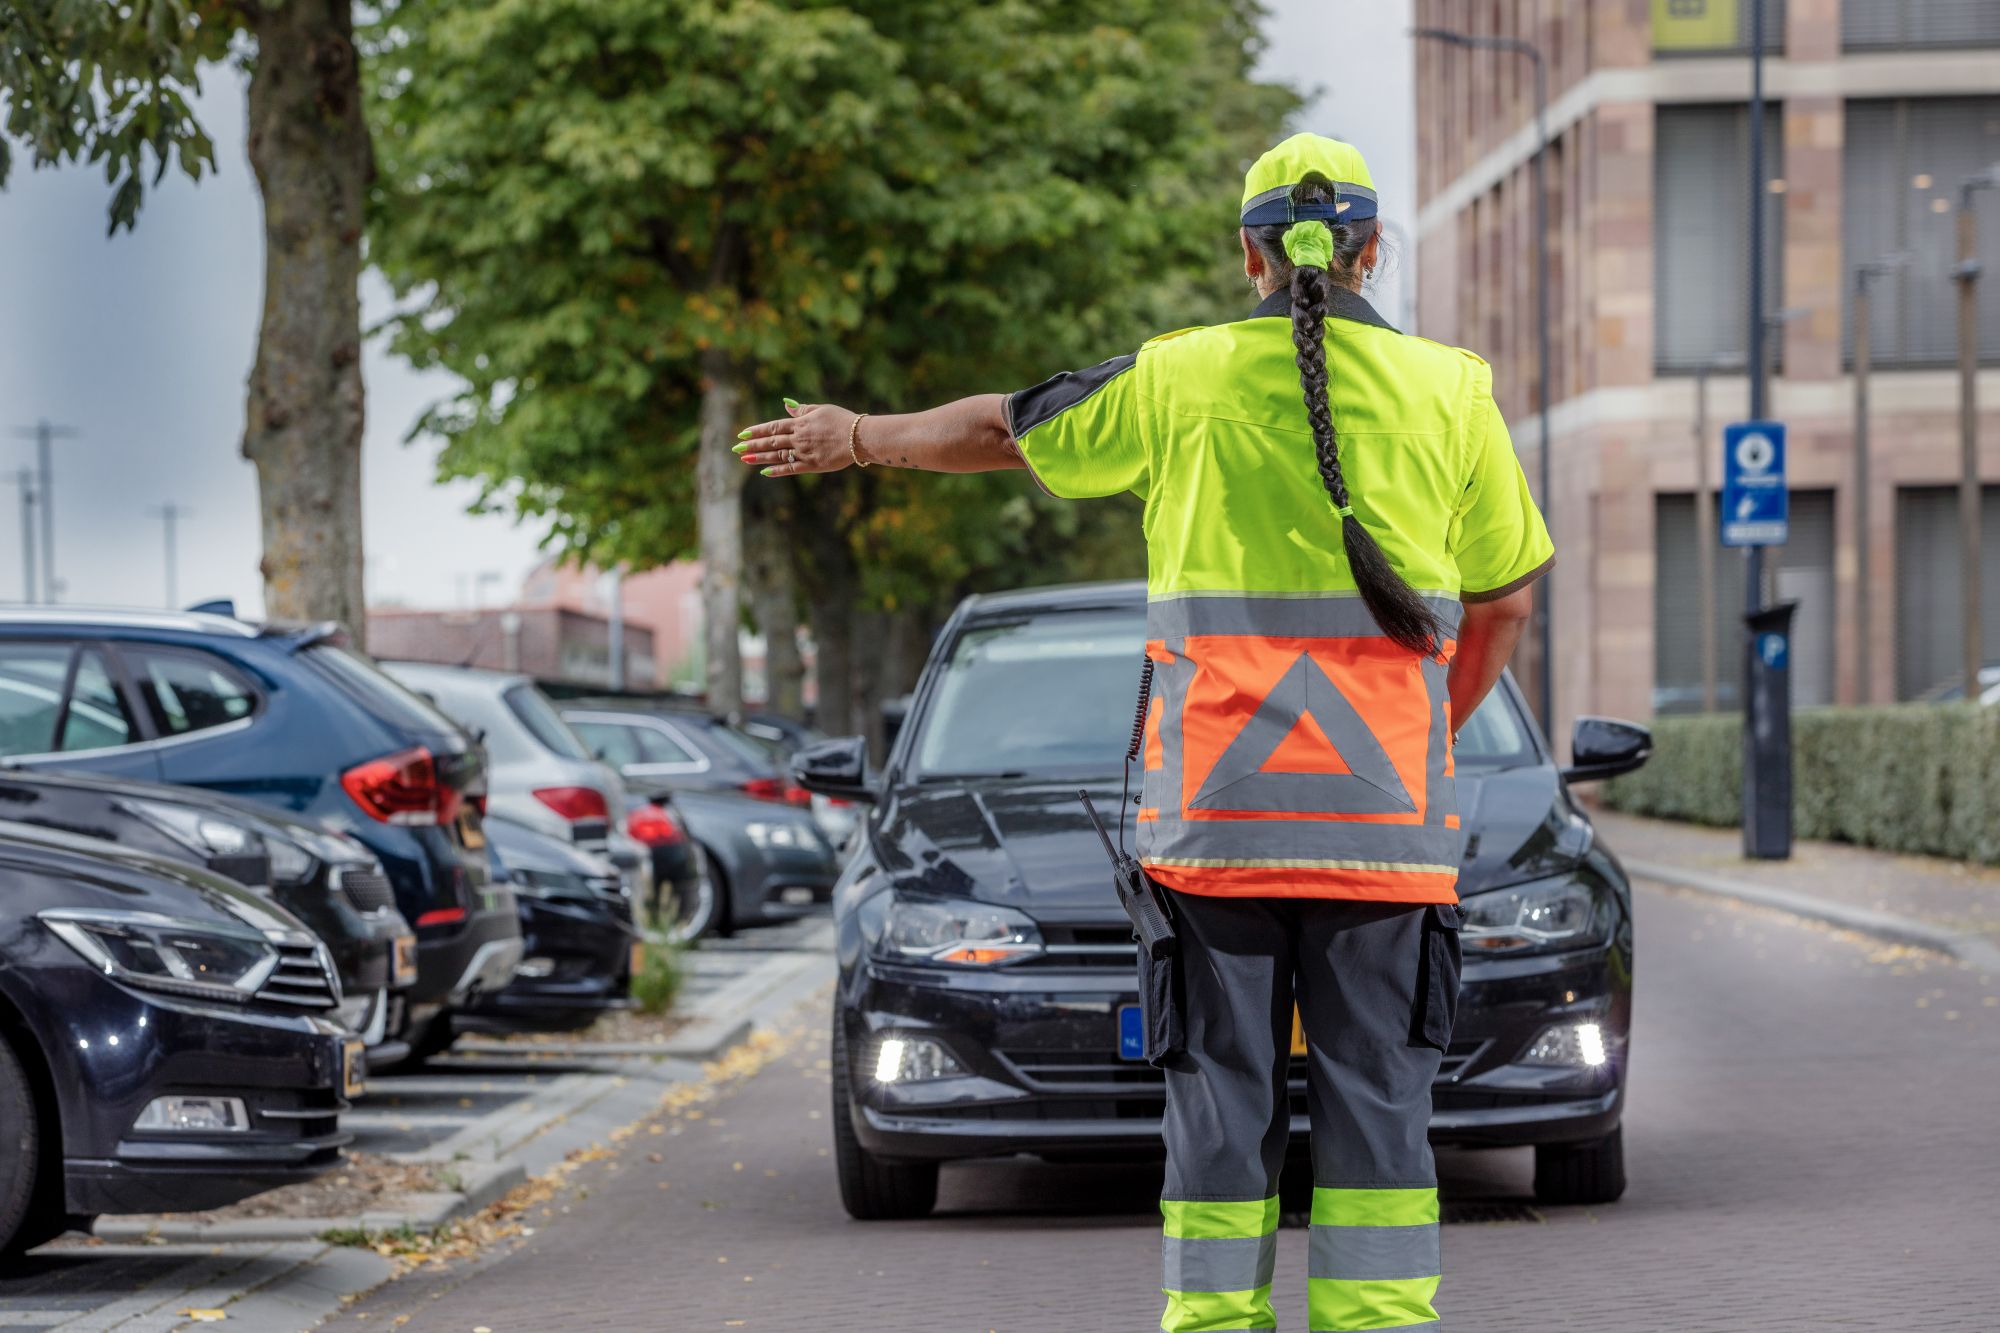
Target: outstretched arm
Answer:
[[969, 435]]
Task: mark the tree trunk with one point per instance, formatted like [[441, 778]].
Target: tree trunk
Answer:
[[770, 575], [831, 584], [302, 427], [719, 512]]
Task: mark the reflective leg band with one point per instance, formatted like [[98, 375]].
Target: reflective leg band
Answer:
[[1218, 1261], [1374, 1259]]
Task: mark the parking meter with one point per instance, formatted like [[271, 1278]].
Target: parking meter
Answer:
[[1767, 739]]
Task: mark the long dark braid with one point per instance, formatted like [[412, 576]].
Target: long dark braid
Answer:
[[1399, 612]]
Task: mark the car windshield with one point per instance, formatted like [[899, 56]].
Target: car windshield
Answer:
[[540, 717], [1048, 696], [1051, 696]]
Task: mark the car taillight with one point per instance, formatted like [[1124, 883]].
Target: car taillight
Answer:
[[653, 825], [575, 804], [402, 788], [442, 916], [775, 789]]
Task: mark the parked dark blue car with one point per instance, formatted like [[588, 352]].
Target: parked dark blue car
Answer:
[[287, 717]]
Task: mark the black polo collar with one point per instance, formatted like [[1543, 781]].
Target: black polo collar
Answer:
[[1340, 304]]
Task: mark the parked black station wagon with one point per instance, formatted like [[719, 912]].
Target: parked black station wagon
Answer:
[[987, 1002], [167, 1038]]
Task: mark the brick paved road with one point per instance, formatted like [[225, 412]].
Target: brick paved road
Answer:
[[1811, 1139]]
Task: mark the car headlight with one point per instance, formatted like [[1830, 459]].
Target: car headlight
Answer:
[[550, 884], [1547, 916], [767, 834], [962, 933], [290, 862], [196, 830], [200, 958]]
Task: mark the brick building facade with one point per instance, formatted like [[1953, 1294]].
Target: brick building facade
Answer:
[[1877, 111]]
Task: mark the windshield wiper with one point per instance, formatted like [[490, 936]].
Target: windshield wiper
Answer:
[[1003, 775]]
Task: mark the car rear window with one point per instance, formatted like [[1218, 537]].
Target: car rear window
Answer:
[[375, 690], [540, 717]]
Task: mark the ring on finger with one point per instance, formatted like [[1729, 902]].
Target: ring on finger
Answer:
[[791, 456]]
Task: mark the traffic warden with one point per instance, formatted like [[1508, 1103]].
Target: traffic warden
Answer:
[[1340, 545]]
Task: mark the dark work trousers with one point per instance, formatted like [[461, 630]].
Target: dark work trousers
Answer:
[[1375, 985]]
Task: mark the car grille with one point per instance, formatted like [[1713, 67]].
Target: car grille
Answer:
[[302, 979], [1057, 1071], [366, 890], [1093, 947]]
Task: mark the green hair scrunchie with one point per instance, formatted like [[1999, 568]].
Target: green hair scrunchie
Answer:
[[1309, 244]]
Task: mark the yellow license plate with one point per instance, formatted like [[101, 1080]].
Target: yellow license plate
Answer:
[[638, 957], [353, 1067], [1298, 1032], [405, 956]]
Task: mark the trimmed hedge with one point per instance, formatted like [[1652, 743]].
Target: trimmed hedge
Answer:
[[1919, 778]]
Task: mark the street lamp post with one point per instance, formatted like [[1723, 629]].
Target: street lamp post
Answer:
[[1864, 363], [1704, 523], [45, 434], [1544, 612], [1967, 275]]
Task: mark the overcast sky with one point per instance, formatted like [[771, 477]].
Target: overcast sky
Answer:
[[142, 344]]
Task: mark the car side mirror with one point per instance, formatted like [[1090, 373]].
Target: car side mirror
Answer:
[[1604, 747], [836, 768]]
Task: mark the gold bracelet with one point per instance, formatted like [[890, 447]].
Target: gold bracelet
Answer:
[[854, 439]]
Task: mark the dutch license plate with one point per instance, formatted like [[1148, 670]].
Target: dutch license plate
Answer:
[[353, 1067], [406, 960], [1131, 1033]]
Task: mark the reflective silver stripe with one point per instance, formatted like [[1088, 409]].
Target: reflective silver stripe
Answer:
[[1279, 193], [1371, 786], [1337, 844], [1277, 614], [1237, 1264], [1441, 794], [1374, 1254]]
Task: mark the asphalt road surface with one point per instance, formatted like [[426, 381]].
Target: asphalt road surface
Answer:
[[1813, 1140]]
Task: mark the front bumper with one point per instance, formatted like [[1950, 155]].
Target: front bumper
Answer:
[[1039, 1045], [588, 946], [126, 1049]]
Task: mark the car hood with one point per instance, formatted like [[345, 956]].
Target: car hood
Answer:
[[71, 871], [1032, 847]]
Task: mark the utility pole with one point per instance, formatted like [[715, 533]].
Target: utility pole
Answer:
[[1967, 276], [45, 434], [1544, 611], [25, 479], [170, 515], [1864, 365]]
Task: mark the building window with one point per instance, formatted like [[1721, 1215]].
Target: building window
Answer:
[[1701, 253], [1714, 27], [1802, 571], [1904, 163], [1902, 25], [1930, 641]]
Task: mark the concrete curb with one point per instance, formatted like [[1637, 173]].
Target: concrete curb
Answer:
[[1973, 950], [496, 1154]]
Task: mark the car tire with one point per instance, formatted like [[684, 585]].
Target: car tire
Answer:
[[723, 923], [1581, 1173], [435, 1039], [706, 915], [20, 1156], [873, 1190]]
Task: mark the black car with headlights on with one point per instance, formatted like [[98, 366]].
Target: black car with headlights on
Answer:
[[328, 880], [167, 1038], [578, 938], [987, 1002]]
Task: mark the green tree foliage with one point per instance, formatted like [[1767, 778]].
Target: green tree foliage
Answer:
[[593, 205], [88, 81]]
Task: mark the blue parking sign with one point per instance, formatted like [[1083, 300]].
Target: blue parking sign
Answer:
[[1756, 506]]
